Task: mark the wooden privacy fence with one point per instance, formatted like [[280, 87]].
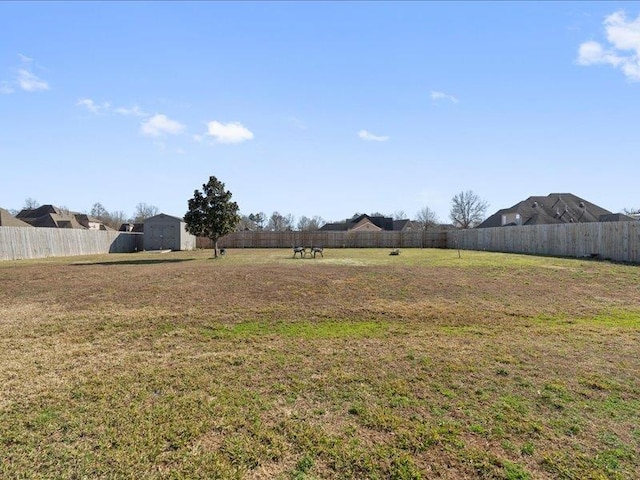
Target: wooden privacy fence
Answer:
[[619, 241], [261, 239], [18, 243]]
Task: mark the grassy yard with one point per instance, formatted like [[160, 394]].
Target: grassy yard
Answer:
[[355, 365]]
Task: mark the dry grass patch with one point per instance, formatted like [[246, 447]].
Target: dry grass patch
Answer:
[[356, 365]]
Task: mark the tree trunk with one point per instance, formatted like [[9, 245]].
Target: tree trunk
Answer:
[[215, 247]]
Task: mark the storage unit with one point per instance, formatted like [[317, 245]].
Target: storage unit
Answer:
[[166, 232]]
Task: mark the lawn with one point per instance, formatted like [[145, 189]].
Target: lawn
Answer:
[[428, 364]]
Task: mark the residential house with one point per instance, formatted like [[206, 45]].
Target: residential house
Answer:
[[8, 220], [54, 217], [49, 216], [553, 209], [366, 223], [91, 223]]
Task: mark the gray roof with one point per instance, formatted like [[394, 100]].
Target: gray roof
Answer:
[[164, 215], [49, 216], [8, 220], [553, 209], [385, 223]]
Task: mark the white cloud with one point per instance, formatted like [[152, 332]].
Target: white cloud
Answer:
[[232, 132], [623, 51], [443, 96], [24, 79], [105, 107], [134, 111], [29, 82], [92, 106], [368, 136], [160, 124]]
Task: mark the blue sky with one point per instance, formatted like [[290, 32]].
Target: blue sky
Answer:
[[319, 108]]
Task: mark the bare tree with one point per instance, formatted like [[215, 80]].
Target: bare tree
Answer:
[[110, 219], [303, 223], [467, 209], [280, 223], [30, 204], [98, 211], [144, 211], [399, 215], [426, 218], [116, 218], [308, 224], [631, 211]]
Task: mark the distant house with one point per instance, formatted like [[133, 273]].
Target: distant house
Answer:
[[90, 222], [54, 217], [166, 232], [8, 220], [553, 209], [132, 227], [366, 223], [49, 216]]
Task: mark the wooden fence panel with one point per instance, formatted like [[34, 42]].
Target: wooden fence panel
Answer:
[[618, 241], [18, 243], [261, 239]]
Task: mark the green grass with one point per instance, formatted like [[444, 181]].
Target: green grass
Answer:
[[355, 365]]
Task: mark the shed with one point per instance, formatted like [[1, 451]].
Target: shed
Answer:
[[166, 232]]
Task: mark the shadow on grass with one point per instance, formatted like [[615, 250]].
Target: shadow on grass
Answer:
[[134, 262]]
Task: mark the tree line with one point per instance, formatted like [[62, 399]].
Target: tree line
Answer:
[[467, 210]]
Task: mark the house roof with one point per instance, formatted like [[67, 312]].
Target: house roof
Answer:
[[8, 220], [552, 209], [384, 223], [616, 217], [335, 227], [401, 224], [38, 211], [49, 216]]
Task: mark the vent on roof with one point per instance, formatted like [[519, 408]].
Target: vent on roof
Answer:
[[534, 205], [581, 204]]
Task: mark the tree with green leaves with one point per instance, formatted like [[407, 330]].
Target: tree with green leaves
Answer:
[[211, 213]]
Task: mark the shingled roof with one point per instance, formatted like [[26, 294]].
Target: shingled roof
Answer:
[[49, 216], [553, 209], [8, 220], [384, 223]]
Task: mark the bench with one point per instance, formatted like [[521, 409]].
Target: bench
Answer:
[[304, 251]]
